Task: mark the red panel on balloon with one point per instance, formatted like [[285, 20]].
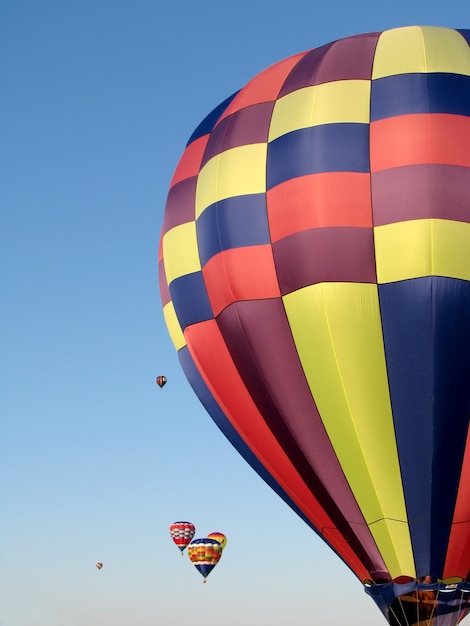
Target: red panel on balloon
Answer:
[[244, 283], [415, 139], [319, 200], [264, 87], [458, 551], [190, 162]]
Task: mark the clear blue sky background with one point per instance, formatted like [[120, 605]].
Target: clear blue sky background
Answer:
[[98, 98]]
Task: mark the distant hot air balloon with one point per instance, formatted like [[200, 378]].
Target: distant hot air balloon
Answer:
[[182, 533], [315, 279], [161, 381], [220, 537], [204, 555], [99, 565]]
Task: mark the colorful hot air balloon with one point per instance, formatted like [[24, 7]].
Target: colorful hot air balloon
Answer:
[[182, 533], [99, 565], [204, 555], [161, 381], [315, 278], [220, 537]]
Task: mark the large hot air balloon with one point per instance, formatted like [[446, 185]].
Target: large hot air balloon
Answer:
[[315, 279], [204, 554], [99, 565], [182, 533]]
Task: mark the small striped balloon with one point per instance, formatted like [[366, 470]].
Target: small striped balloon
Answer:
[[182, 533]]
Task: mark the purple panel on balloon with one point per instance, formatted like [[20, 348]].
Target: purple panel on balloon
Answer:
[[347, 59], [340, 254], [180, 204], [247, 126], [417, 192]]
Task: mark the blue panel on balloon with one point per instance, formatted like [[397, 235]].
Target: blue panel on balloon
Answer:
[[427, 348], [327, 148], [210, 120], [232, 223], [465, 33], [190, 299], [408, 94]]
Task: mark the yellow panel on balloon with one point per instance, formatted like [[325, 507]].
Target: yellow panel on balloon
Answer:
[[395, 534], [173, 326], [421, 49], [338, 335], [180, 251], [335, 102], [236, 172], [418, 248]]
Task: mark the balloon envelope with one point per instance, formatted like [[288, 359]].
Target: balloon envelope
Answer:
[[182, 533], [220, 537], [204, 554], [161, 381], [99, 565], [315, 279]]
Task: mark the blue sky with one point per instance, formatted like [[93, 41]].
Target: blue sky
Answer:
[[98, 99]]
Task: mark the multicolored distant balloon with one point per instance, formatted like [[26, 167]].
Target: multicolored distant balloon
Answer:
[[182, 533], [220, 537], [161, 381], [204, 555], [99, 565], [315, 279]]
